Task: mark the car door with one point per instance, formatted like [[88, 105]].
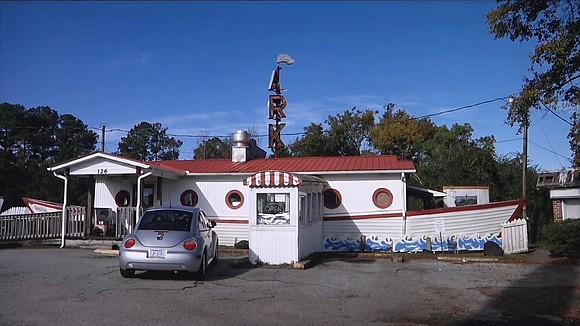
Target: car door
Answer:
[[205, 232]]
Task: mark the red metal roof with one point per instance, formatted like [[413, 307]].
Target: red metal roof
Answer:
[[291, 164]]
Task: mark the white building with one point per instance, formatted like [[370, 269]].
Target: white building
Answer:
[[564, 192], [287, 208]]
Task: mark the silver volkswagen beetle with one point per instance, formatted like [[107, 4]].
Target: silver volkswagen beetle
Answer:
[[170, 239]]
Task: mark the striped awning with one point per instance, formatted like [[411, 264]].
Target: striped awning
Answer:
[[273, 179]]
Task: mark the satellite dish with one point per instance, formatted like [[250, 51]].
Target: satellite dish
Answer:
[[284, 58]]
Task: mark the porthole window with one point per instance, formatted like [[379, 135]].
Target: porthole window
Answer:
[[332, 198], [234, 199], [382, 198], [123, 198], [189, 198]]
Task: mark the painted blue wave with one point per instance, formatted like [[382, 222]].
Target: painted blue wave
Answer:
[[335, 244], [376, 244], [410, 244], [476, 242]]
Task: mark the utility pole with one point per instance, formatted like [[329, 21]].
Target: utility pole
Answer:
[[525, 164], [103, 138]]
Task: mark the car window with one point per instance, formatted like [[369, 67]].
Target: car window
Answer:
[[170, 220], [201, 223]]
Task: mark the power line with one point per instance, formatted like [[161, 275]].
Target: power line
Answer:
[[554, 113], [505, 98], [551, 151], [546, 136]]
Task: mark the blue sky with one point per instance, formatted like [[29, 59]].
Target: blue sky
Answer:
[[202, 68]]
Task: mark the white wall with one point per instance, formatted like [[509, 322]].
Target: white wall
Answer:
[[482, 194], [357, 193], [107, 187], [571, 208]]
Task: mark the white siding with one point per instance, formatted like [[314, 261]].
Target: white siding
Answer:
[[211, 191], [310, 239], [107, 188], [357, 193], [273, 244], [481, 193], [466, 222], [388, 227], [230, 233], [101, 166]]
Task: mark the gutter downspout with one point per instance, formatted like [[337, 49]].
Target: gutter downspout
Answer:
[[138, 206], [64, 212], [404, 193]]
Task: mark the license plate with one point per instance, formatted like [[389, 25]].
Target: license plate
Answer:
[[158, 254]]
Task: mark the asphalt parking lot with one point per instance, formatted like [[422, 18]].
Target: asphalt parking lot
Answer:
[[80, 287]]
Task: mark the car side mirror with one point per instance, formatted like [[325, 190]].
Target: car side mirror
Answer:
[[212, 224]]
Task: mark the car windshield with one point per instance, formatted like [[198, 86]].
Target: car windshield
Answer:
[[170, 220]]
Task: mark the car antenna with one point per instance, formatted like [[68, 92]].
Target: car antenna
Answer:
[[169, 192]]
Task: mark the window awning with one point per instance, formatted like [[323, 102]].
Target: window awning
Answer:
[[273, 179]]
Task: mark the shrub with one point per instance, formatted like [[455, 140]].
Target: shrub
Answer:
[[563, 239]]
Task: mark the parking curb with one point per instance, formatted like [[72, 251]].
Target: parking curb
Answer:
[[107, 252], [469, 259]]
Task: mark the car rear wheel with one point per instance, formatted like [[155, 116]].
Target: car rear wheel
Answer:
[[202, 267], [127, 273]]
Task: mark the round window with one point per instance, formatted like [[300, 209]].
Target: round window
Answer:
[[234, 199], [332, 198], [123, 198], [382, 198], [188, 198]]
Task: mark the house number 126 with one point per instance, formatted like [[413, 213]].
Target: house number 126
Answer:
[[101, 171]]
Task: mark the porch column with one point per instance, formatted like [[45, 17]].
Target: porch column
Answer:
[[64, 204], [90, 206], [404, 195]]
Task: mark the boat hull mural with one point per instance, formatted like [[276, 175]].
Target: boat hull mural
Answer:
[[450, 229]]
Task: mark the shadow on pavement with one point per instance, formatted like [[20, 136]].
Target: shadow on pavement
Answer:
[[538, 298], [226, 267]]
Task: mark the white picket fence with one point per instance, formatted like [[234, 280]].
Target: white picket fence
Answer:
[[42, 225], [515, 236]]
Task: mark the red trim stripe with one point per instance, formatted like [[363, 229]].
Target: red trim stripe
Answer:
[[361, 217], [466, 208], [219, 221]]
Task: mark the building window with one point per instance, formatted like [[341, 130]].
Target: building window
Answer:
[[332, 198], [465, 200], [123, 198], [188, 198], [382, 198], [234, 199], [273, 209]]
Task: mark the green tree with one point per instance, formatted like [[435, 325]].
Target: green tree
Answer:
[[452, 157], [314, 142], [31, 141], [555, 61], [349, 131], [398, 133], [213, 148], [149, 142], [347, 135]]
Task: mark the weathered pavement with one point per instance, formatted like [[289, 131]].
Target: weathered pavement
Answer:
[[80, 287]]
